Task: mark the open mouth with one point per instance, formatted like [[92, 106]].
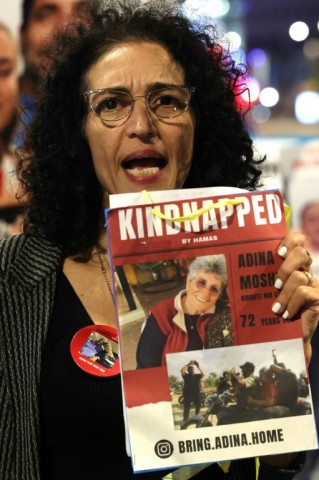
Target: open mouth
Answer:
[[144, 167]]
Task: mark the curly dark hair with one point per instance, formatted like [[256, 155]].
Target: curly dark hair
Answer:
[[58, 175]]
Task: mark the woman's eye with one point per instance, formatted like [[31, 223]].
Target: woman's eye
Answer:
[[167, 100], [201, 283], [6, 71], [107, 104]]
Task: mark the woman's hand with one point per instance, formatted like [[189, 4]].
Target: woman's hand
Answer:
[[299, 292]]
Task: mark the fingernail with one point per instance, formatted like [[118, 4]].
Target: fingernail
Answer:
[[282, 252], [285, 314], [278, 283], [276, 307]]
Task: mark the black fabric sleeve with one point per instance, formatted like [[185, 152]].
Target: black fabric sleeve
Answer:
[[151, 345]]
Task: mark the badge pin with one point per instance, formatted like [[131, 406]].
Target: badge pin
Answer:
[[95, 350]]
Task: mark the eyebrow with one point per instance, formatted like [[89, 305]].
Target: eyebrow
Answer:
[[206, 281], [150, 87], [46, 9]]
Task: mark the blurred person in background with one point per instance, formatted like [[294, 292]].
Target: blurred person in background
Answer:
[[10, 209], [40, 19], [303, 198]]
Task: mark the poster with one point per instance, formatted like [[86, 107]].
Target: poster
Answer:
[[153, 247]]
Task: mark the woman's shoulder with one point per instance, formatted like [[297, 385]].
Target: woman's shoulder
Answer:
[[222, 315], [164, 306], [19, 244], [28, 253]]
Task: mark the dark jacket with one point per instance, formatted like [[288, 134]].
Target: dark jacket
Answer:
[[28, 272]]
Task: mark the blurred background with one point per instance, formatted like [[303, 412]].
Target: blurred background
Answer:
[[279, 42]]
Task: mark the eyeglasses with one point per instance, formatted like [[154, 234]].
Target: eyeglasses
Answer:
[[114, 105], [201, 283]]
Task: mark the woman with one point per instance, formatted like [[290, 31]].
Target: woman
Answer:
[[180, 323], [85, 143], [10, 210]]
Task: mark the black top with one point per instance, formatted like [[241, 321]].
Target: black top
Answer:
[[83, 436], [194, 340]]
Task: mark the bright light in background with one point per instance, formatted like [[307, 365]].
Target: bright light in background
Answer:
[[311, 48], [261, 114], [307, 107], [299, 31], [252, 95], [257, 57], [231, 40], [268, 97], [207, 8]]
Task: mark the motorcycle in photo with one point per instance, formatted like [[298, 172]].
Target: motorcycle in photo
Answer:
[[214, 402]]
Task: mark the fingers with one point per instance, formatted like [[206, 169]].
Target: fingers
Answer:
[[294, 294], [292, 250], [303, 305], [292, 280], [298, 291], [309, 262], [309, 278]]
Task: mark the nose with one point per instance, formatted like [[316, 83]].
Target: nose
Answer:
[[207, 291], [141, 120], [65, 17], [204, 292]]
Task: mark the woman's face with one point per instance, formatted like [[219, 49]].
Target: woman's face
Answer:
[[8, 80], [142, 152], [203, 291]]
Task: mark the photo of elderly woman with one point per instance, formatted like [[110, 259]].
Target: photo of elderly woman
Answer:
[[189, 311], [197, 317]]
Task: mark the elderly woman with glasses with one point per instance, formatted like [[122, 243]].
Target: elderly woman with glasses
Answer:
[[179, 324], [136, 98]]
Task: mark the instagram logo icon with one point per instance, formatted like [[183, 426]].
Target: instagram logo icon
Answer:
[[164, 449]]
